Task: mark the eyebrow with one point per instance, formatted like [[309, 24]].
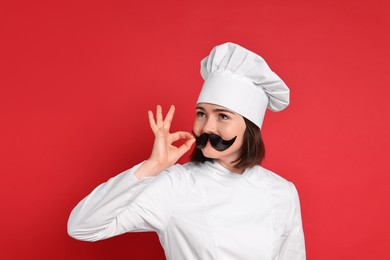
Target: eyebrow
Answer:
[[217, 110]]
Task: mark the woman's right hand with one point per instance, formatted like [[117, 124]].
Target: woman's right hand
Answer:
[[164, 153]]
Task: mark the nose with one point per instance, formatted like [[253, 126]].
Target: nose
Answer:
[[210, 127]]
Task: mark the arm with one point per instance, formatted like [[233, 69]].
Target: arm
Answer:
[[294, 246], [129, 201], [92, 216], [124, 204]]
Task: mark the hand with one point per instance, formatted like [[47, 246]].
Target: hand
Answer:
[[164, 154]]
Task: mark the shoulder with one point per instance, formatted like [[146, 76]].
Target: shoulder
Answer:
[[276, 184], [260, 173]]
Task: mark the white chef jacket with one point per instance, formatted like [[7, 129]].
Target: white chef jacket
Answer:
[[200, 211]]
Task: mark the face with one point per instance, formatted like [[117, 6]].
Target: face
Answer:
[[214, 119]]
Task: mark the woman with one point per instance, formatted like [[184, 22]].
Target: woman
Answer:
[[222, 204]]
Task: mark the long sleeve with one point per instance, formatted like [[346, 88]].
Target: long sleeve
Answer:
[[123, 204], [294, 246]]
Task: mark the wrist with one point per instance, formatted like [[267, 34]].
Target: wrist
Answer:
[[149, 168], [155, 166]]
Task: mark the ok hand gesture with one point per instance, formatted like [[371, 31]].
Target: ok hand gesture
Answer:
[[164, 153]]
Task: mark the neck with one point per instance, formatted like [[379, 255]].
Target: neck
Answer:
[[229, 166]]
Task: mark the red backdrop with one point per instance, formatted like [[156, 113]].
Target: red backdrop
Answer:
[[77, 79]]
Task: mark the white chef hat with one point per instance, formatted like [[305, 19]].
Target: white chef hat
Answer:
[[241, 80]]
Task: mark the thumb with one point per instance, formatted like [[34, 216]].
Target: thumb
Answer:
[[186, 146]]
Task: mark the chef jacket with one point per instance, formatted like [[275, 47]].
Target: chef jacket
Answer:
[[200, 211]]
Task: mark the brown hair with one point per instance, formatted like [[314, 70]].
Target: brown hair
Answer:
[[252, 151]]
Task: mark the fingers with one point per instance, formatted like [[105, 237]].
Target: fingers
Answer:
[[160, 122], [152, 122], [159, 117], [186, 146], [180, 135], [169, 117]]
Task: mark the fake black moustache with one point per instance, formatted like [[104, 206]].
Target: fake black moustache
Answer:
[[215, 140]]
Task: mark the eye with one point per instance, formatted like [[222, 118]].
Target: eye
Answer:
[[223, 117], [200, 114]]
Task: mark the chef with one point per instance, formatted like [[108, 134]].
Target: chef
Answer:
[[221, 204]]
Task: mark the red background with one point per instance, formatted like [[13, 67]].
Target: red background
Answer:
[[77, 79]]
